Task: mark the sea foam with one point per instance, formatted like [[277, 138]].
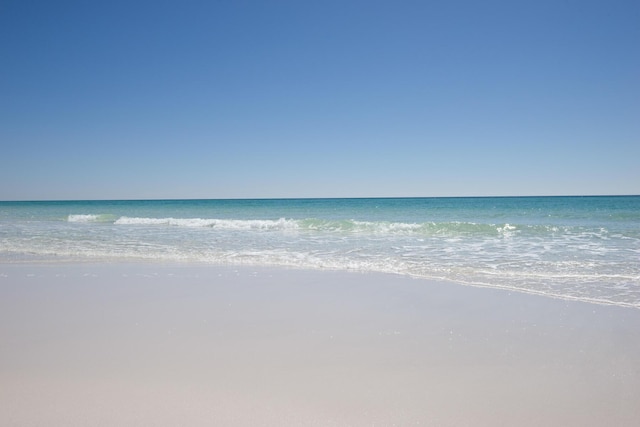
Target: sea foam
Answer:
[[226, 224], [324, 226], [90, 218]]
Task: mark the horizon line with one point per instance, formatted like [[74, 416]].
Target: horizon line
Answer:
[[312, 198]]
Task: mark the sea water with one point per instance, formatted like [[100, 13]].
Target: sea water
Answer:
[[584, 248]]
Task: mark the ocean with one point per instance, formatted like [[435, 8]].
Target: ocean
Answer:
[[579, 248]]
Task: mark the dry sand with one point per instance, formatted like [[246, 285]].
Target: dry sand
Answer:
[[154, 345]]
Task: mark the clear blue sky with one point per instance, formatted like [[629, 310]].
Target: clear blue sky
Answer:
[[226, 99]]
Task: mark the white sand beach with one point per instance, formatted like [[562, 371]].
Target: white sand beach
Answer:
[[185, 345]]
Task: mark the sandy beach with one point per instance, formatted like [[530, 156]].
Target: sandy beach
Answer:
[[168, 345]]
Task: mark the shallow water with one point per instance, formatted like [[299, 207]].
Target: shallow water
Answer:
[[585, 248]]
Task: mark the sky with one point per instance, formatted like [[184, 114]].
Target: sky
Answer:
[[267, 99]]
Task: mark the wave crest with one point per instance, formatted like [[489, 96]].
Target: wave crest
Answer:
[[225, 224], [90, 218], [348, 226]]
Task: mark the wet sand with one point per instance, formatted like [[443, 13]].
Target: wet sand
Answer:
[[156, 345]]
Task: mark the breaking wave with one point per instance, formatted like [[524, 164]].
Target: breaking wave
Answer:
[[226, 224], [91, 218], [313, 224]]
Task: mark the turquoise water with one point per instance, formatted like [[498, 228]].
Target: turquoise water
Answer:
[[585, 248]]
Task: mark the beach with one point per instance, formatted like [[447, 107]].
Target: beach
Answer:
[[129, 344], [319, 213]]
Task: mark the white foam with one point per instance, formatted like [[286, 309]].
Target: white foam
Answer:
[[90, 218], [83, 218], [226, 224]]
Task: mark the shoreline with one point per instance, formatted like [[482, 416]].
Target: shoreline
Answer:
[[154, 344], [47, 261]]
